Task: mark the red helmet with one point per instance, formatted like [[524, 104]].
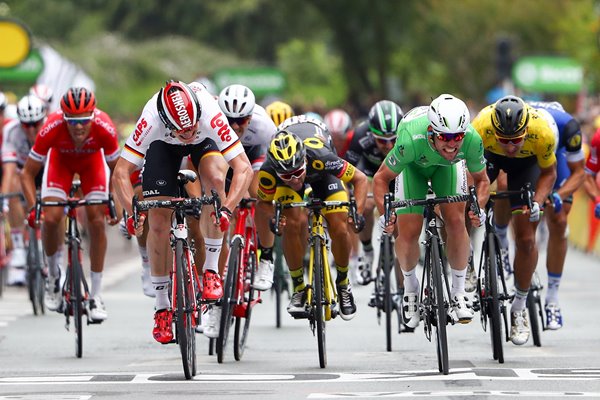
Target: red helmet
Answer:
[[78, 100], [178, 106]]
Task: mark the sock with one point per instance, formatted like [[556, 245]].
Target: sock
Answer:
[[502, 232], [266, 253], [553, 284], [342, 275], [16, 236], [458, 281], [144, 254], [96, 284], [213, 250], [297, 279], [161, 288], [53, 261], [411, 283], [367, 245], [520, 300]]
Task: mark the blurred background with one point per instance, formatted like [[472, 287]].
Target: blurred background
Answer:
[[313, 54]]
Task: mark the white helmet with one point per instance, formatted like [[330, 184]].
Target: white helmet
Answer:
[[447, 114], [338, 121], [237, 101], [31, 109], [42, 91]]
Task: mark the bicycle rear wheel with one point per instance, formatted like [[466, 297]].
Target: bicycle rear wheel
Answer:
[[534, 307], [387, 296], [278, 281], [229, 293], [76, 297], [493, 299], [318, 310], [440, 308], [242, 324], [186, 336]]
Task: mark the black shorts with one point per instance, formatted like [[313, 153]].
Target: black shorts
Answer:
[[163, 162], [519, 171]]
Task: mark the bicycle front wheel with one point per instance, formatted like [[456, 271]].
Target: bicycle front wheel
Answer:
[[242, 324], [491, 281], [318, 310], [439, 305], [534, 308], [186, 336], [35, 279], [229, 293], [387, 296], [76, 298]]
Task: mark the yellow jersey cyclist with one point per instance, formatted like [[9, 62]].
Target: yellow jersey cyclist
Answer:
[[279, 111], [434, 144], [298, 155], [519, 141]]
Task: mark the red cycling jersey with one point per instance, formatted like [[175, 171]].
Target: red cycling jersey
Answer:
[[592, 164]]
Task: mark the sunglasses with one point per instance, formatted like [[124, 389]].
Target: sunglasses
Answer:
[[239, 121], [450, 137], [30, 124], [288, 176], [516, 140], [79, 120], [385, 140]]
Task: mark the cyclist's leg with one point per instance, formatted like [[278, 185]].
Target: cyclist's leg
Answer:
[[16, 219], [365, 237]]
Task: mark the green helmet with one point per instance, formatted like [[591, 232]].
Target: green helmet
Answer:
[[384, 117]]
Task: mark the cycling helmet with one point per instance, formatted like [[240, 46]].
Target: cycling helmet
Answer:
[[78, 100], [279, 111], [510, 116], [236, 101], [42, 91], [3, 101], [286, 152], [178, 107], [338, 121], [384, 118], [447, 114], [314, 115], [31, 109]]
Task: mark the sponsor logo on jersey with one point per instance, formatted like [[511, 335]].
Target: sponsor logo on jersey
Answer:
[[108, 127], [318, 165], [48, 128], [152, 192], [140, 132], [335, 164], [218, 122], [161, 182], [575, 141], [184, 118]]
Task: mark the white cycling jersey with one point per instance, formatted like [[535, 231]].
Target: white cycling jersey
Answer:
[[260, 130], [15, 146], [213, 125]]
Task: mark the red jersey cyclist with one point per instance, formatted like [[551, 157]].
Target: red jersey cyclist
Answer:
[[77, 139]]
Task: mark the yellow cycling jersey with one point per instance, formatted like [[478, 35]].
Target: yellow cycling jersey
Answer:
[[540, 140]]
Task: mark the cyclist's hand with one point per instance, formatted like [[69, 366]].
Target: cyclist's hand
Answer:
[[280, 227], [223, 222], [597, 210], [390, 227], [132, 228], [123, 228], [557, 202], [535, 212], [359, 225], [31, 218], [477, 220]]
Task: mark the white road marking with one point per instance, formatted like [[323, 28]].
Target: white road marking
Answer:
[[448, 393]]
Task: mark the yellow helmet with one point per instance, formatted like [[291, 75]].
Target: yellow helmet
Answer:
[[279, 111], [286, 152]]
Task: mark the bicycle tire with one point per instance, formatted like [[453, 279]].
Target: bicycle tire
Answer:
[[532, 308], [242, 324], [279, 277], [387, 295], [440, 309], [76, 297], [318, 312], [186, 337], [494, 301], [35, 279], [229, 291]]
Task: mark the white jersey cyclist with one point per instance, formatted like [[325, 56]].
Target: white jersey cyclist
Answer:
[[212, 125], [15, 146]]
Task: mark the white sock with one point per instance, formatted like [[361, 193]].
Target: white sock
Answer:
[[502, 232], [553, 284], [411, 283], [520, 300], [16, 236], [458, 281], [53, 264], [96, 284], [161, 288], [213, 250]]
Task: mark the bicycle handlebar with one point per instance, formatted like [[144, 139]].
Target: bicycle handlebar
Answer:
[[187, 204], [313, 204], [525, 192], [72, 203]]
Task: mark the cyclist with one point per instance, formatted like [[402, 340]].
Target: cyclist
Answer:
[[178, 121], [518, 141], [339, 124], [369, 144], [434, 144], [279, 112], [17, 137], [299, 155], [592, 167], [43, 92], [78, 139]]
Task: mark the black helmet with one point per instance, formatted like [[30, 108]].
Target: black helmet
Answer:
[[510, 116], [384, 117], [286, 152]]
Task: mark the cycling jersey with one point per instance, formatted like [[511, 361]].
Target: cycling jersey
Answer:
[[213, 125], [539, 141], [362, 150], [592, 165], [15, 145]]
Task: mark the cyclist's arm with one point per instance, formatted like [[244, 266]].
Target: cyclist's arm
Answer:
[[545, 183], [9, 169], [30, 171], [361, 187], [122, 184], [242, 177], [574, 181], [482, 185], [381, 183]]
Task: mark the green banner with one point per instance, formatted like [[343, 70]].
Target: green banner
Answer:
[[27, 71], [548, 74], [262, 80]]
